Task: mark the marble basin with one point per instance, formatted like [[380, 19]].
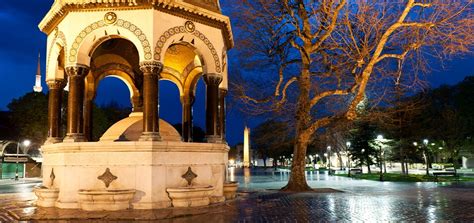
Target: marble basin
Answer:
[[105, 200], [46, 196], [230, 189], [193, 196]]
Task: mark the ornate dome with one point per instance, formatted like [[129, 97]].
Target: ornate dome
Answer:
[[130, 129]]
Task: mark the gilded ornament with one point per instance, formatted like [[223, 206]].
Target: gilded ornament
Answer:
[[189, 26], [110, 18]]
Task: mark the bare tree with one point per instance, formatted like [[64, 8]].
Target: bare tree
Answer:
[[321, 61]]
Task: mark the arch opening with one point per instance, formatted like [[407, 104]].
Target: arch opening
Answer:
[[114, 62]]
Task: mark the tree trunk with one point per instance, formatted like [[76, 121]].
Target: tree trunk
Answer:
[[402, 166], [406, 166], [368, 165], [297, 181]]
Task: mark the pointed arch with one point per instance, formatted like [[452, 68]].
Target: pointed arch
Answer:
[[211, 58]]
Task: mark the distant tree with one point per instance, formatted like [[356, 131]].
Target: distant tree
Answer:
[[7, 129], [198, 133], [270, 140], [362, 152], [104, 116], [29, 116]]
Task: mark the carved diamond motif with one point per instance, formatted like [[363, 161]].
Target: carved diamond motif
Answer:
[[189, 176], [52, 176], [107, 177]]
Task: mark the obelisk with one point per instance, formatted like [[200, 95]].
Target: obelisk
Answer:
[[246, 147]]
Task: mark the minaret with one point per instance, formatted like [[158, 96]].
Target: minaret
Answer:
[[246, 147], [37, 87]]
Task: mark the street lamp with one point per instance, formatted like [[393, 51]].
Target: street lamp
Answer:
[[25, 143], [425, 155], [329, 158]]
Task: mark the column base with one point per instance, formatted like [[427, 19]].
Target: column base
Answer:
[[214, 139], [74, 137], [150, 136], [53, 140]]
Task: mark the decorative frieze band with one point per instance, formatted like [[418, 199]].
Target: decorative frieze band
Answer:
[[115, 22]]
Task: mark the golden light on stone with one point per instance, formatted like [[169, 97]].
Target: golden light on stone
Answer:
[[110, 18], [138, 49]]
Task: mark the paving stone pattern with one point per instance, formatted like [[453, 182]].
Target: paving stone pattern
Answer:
[[348, 201]]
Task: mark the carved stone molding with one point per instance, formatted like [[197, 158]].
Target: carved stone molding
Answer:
[[189, 176], [77, 70], [120, 23], [59, 36], [56, 84], [187, 28], [151, 67], [52, 176], [212, 79], [107, 177]]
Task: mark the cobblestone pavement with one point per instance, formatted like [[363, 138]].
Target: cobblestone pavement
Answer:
[[348, 201]]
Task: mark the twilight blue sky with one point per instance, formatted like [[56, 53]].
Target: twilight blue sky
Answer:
[[21, 41]]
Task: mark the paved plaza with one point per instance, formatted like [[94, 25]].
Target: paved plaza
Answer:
[[347, 200]]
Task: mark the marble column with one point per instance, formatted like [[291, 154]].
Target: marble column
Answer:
[[54, 110], [187, 102], [151, 75], [88, 116], [76, 74], [212, 107], [222, 113]]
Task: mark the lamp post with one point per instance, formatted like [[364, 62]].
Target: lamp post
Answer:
[[362, 161], [348, 144], [425, 155], [329, 158], [326, 156], [25, 143]]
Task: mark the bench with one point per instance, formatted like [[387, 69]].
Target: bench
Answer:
[[356, 170], [436, 174]]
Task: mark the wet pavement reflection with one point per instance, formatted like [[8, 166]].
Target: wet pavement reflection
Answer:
[[347, 200]]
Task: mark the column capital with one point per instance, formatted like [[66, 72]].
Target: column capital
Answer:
[[212, 79], [77, 70], [56, 84], [151, 67]]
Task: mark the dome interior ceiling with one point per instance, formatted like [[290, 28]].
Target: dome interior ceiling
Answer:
[[181, 57]]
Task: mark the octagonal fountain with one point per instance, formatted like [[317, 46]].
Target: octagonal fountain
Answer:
[[141, 156], [119, 172]]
